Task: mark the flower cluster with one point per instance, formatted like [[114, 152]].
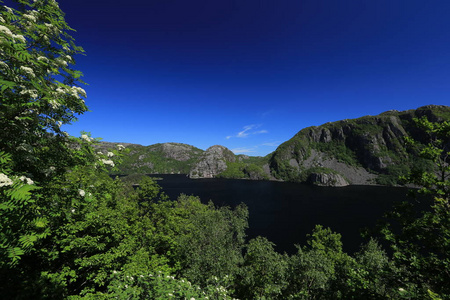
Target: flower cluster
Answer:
[[86, 138], [77, 91], [5, 30], [32, 93], [28, 71], [107, 162], [4, 180], [26, 180]]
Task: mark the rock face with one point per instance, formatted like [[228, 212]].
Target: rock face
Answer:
[[212, 162], [366, 150], [324, 179]]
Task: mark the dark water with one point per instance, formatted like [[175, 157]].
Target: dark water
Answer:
[[286, 212]]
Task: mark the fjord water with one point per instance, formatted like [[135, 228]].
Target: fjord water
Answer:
[[286, 212]]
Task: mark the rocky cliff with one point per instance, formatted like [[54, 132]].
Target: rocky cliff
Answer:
[[366, 150], [212, 162]]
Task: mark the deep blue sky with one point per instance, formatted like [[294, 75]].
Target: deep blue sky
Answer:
[[250, 74]]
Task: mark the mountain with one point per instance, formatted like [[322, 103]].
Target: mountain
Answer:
[[176, 158], [166, 158], [367, 150]]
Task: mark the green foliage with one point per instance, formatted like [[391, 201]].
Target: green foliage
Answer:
[[421, 248], [264, 272], [241, 170], [338, 150], [156, 159], [212, 241]]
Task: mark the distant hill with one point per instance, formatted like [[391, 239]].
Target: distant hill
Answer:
[[367, 150], [176, 158]]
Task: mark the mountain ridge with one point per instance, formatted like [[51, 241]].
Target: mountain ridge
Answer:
[[367, 150]]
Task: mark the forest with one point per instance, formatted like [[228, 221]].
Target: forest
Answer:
[[70, 231]]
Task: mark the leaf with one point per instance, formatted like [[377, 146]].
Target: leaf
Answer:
[[15, 253], [28, 240]]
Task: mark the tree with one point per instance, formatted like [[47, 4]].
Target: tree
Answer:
[[39, 87], [36, 52], [420, 241], [263, 274]]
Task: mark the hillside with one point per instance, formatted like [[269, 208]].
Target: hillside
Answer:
[[176, 158], [368, 150]]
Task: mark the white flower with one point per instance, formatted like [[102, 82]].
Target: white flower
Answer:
[[120, 147], [192, 298], [43, 58], [76, 91], [81, 192], [20, 37], [28, 71], [26, 179], [59, 124], [170, 295], [401, 289], [4, 180], [73, 210], [5, 30], [108, 162], [61, 90], [8, 8], [110, 154], [86, 138], [2, 20], [54, 104], [115, 272], [100, 153], [33, 93], [4, 65], [29, 17], [61, 62]]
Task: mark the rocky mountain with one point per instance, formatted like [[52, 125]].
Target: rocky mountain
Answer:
[[367, 150], [212, 162], [176, 158], [166, 158]]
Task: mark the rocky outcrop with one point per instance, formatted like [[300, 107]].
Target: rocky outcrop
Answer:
[[212, 162], [327, 179], [363, 150]]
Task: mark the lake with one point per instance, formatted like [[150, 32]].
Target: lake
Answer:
[[286, 212]]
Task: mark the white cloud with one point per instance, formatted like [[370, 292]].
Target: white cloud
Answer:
[[247, 130], [271, 144], [243, 150]]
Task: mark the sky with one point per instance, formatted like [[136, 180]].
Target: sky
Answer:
[[250, 74]]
